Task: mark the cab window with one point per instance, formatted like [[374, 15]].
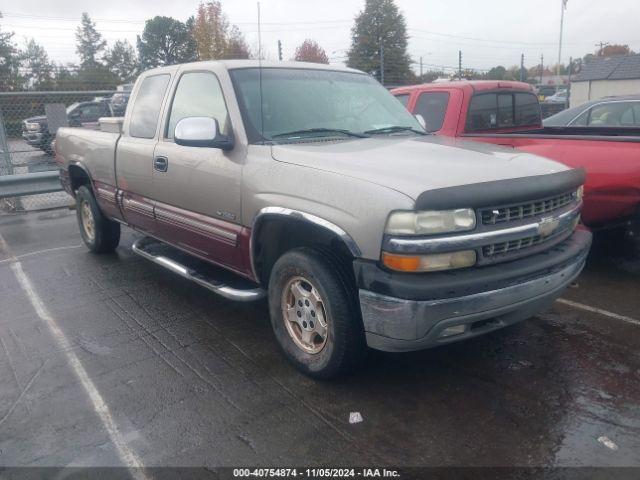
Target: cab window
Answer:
[[198, 95], [432, 106], [404, 99], [146, 108], [502, 110]]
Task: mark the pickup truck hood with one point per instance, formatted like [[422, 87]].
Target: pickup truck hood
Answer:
[[412, 165]]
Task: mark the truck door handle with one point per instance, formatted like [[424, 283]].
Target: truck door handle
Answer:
[[161, 164]]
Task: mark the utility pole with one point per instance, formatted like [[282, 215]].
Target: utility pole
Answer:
[[279, 50], [562, 9], [459, 64], [601, 46], [567, 101], [541, 67], [522, 67], [420, 69], [381, 62]]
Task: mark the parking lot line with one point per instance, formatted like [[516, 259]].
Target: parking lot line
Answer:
[[127, 456], [606, 313], [37, 252]]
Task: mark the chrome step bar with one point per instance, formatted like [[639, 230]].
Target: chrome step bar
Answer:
[[143, 247]]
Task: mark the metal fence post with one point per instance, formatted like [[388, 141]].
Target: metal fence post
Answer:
[[6, 167]]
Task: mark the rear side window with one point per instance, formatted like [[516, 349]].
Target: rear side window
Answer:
[[502, 110], [198, 95], [432, 106], [146, 109], [403, 98]]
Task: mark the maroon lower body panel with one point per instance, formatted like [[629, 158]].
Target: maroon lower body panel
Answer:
[[208, 238], [107, 198], [211, 239]]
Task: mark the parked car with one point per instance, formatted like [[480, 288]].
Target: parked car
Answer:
[[623, 111], [35, 130], [120, 99], [312, 186], [560, 96], [508, 114], [544, 91]]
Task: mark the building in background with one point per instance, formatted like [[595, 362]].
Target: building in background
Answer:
[[605, 77]]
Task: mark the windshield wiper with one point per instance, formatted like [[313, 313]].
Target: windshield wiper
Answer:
[[328, 131], [394, 129]]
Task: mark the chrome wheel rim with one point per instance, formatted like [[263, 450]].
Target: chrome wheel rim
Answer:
[[88, 223], [304, 315]]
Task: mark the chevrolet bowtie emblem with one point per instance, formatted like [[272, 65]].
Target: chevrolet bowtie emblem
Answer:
[[547, 226]]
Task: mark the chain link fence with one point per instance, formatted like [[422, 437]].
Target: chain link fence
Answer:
[[28, 121]]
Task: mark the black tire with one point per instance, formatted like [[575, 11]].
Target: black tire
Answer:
[[106, 233], [345, 346]]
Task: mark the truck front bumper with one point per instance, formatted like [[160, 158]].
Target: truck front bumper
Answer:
[[403, 312]]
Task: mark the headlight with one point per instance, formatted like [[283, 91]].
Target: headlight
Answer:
[[33, 127], [431, 222], [580, 192], [429, 263]]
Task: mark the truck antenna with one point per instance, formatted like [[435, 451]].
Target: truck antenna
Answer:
[[260, 73]]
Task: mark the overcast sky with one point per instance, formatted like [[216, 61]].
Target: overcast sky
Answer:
[[489, 32]]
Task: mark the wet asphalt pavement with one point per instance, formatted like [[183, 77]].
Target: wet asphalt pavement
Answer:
[[189, 379]]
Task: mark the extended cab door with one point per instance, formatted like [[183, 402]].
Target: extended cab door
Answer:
[[197, 189], [134, 154]]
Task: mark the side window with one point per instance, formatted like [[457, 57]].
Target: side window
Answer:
[[433, 107], [527, 109], [606, 115], [404, 99], [483, 112], [581, 120], [146, 109], [198, 95], [505, 110], [631, 116]]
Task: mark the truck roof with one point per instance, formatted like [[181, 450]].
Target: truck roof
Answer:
[[234, 64], [468, 85]]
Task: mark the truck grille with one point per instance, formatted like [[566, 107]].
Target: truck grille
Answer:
[[492, 216], [514, 247]]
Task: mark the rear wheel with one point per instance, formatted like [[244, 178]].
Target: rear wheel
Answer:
[[99, 234], [314, 313]]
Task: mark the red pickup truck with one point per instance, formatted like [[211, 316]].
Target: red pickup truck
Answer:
[[508, 113]]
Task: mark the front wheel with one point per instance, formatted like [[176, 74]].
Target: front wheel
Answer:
[[314, 313], [99, 234]]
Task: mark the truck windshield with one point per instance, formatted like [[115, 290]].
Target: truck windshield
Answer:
[[310, 103]]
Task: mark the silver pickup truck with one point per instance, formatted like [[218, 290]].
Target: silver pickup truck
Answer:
[[311, 185]]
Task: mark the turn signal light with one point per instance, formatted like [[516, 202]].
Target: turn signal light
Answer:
[[429, 263]]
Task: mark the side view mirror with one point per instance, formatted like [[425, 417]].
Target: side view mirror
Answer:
[[201, 132]]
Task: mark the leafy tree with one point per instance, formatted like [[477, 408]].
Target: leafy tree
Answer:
[[380, 28], [122, 61], [90, 42], [237, 46], [615, 49], [210, 31], [10, 78], [39, 70], [310, 51], [165, 41], [496, 73], [430, 75]]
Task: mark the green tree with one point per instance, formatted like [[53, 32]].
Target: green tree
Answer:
[[165, 41], [311, 51], [90, 42], [122, 61], [496, 73], [39, 71], [380, 31], [10, 78], [237, 46]]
